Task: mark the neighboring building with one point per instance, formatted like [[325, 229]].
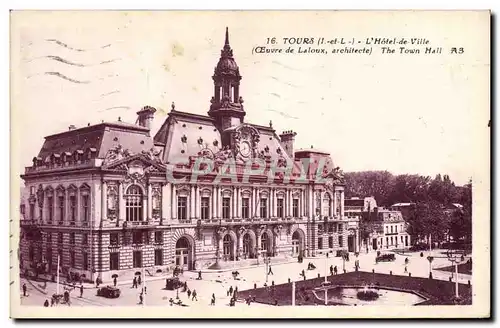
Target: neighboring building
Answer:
[[385, 229], [355, 206], [406, 209], [103, 200]]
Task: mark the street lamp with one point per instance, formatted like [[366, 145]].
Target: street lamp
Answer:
[[430, 259], [266, 261], [326, 268], [216, 265], [454, 258]]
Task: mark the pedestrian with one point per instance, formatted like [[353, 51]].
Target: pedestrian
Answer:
[[140, 298], [194, 295], [46, 303], [24, 290], [335, 270], [189, 293], [303, 273], [227, 293], [52, 301], [406, 269], [97, 282], [145, 289], [331, 270], [134, 282], [212, 302], [235, 291], [270, 271], [139, 280], [199, 275], [114, 281], [231, 290], [81, 291]]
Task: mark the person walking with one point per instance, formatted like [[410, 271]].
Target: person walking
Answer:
[[141, 299], [331, 270], [406, 269], [134, 282], [25, 289], [114, 281], [194, 295], [235, 292], [335, 270], [231, 291], [139, 280], [46, 303], [212, 302], [199, 275], [270, 271], [81, 291], [189, 293]]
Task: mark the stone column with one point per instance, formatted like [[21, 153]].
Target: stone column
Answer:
[[341, 203], [78, 208], [173, 202], [213, 212], [253, 203], [233, 203], [104, 201], [166, 202], [219, 202], [150, 201], [289, 203], [239, 202], [311, 202], [321, 203], [257, 202], [121, 205], [334, 202], [198, 202]]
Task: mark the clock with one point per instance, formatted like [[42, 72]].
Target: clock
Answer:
[[245, 149]]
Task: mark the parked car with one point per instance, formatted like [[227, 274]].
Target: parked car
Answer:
[[109, 292], [173, 283], [386, 258]]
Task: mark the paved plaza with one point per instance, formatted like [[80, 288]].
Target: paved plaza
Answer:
[[218, 283]]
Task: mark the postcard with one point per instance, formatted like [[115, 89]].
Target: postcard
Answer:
[[250, 164]]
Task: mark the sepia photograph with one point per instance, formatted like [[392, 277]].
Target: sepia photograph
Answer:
[[250, 164]]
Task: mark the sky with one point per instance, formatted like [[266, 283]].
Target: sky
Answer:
[[402, 113]]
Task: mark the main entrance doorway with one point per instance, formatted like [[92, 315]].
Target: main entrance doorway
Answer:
[[227, 247], [248, 247], [183, 253], [296, 244]]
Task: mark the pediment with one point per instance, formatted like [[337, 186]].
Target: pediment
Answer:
[[139, 163]]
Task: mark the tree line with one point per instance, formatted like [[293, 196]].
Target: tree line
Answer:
[[433, 213]]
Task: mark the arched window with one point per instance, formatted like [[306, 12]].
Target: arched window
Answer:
[[264, 242], [133, 203]]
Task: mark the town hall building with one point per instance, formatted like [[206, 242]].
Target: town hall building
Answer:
[[111, 198]]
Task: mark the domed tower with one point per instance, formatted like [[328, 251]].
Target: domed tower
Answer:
[[226, 104]]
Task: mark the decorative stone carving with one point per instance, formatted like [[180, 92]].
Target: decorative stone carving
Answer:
[[207, 153], [156, 199], [112, 201], [152, 154], [242, 230], [277, 229], [39, 195], [116, 153], [337, 196], [221, 231]]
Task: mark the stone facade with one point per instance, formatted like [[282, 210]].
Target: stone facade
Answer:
[[110, 199]]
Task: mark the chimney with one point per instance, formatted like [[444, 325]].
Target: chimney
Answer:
[[145, 116], [287, 140], [71, 127]]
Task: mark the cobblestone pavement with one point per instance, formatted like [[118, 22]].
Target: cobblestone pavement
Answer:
[[219, 283]]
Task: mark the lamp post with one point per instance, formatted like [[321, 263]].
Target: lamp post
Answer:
[[430, 259], [326, 268], [454, 258], [216, 265], [266, 261]]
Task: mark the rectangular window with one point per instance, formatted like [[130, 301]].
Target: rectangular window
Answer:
[[114, 260], [182, 208], [320, 229], [318, 206], [85, 208], [330, 228], [137, 259], [226, 207], [280, 207], [205, 208], [320, 243], [85, 264], [32, 211], [113, 239], [158, 256], [245, 208], [137, 237], [85, 239], [72, 209], [396, 229], [59, 238], [60, 206], [72, 238], [392, 229], [159, 237], [334, 228], [330, 242], [295, 207], [263, 207], [341, 228], [50, 207], [341, 241], [72, 259]]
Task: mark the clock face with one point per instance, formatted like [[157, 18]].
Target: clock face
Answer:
[[245, 149]]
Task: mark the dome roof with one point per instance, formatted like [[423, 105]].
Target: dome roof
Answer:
[[227, 65]]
